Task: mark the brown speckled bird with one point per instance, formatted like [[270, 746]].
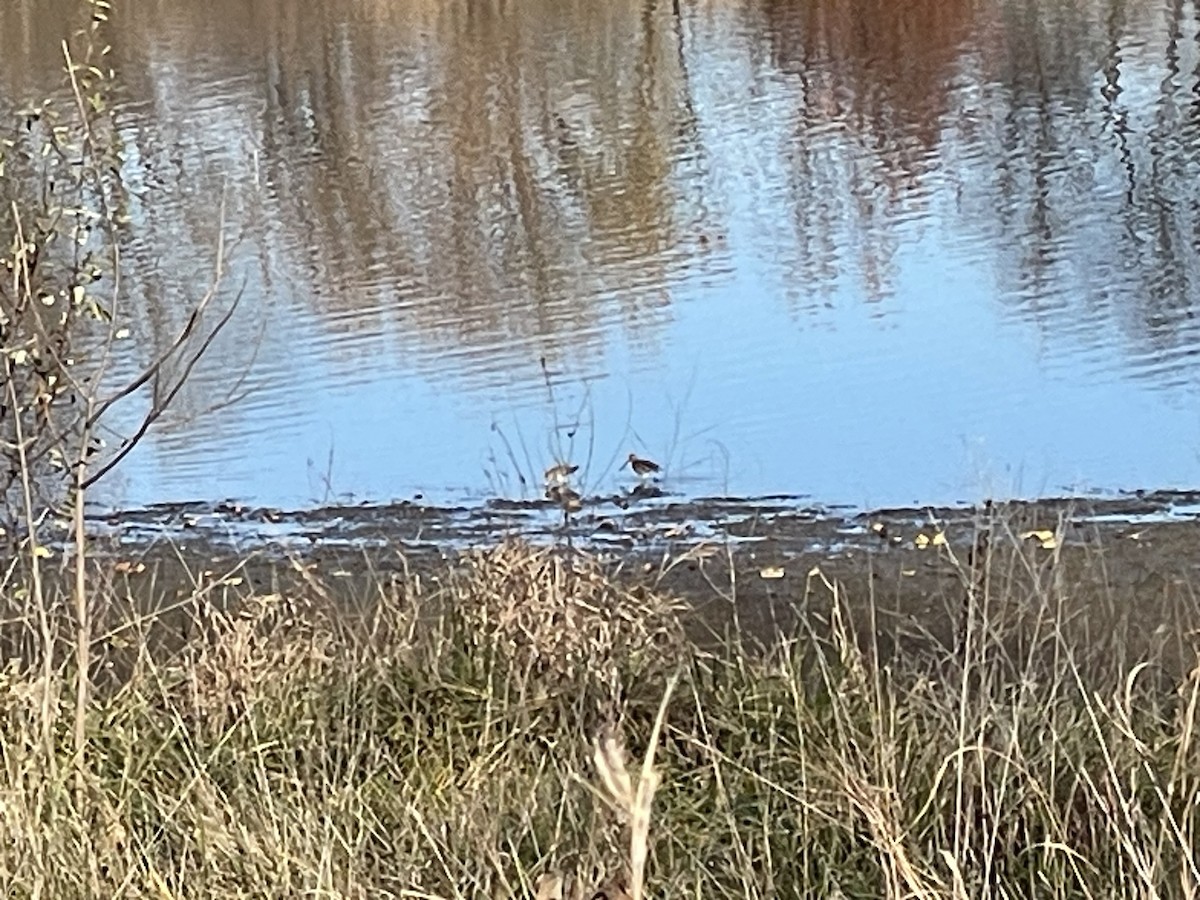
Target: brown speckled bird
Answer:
[[560, 472], [643, 467], [569, 500]]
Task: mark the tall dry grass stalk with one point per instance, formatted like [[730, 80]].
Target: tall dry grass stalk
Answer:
[[633, 798]]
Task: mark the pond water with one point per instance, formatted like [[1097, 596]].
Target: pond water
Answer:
[[860, 251]]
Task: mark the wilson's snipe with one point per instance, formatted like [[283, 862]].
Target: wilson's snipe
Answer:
[[560, 473], [643, 467], [569, 500]]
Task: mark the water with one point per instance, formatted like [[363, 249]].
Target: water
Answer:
[[863, 252]]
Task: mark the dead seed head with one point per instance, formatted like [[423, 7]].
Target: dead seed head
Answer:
[[561, 613]]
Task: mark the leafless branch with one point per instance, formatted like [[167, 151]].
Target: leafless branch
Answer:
[[160, 406]]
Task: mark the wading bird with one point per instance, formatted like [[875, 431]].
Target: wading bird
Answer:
[[643, 467], [560, 473], [569, 500]]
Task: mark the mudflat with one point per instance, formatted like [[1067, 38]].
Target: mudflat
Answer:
[[909, 576]]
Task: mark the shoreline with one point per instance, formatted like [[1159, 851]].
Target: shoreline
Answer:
[[621, 520], [728, 561]]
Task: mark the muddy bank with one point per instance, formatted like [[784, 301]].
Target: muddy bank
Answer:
[[642, 520], [906, 573]]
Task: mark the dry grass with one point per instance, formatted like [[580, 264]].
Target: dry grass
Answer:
[[471, 735], [557, 617]]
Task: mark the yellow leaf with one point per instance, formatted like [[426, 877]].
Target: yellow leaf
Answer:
[[921, 540], [939, 539], [1043, 536], [41, 552], [771, 572]]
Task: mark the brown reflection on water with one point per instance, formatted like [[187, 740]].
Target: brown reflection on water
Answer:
[[874, 82], [462, 189], [449, 165], [883, 66], [513, 177], [1096, 185]]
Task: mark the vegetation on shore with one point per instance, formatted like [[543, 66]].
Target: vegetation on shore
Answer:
[[524, 722], [480, 732]]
